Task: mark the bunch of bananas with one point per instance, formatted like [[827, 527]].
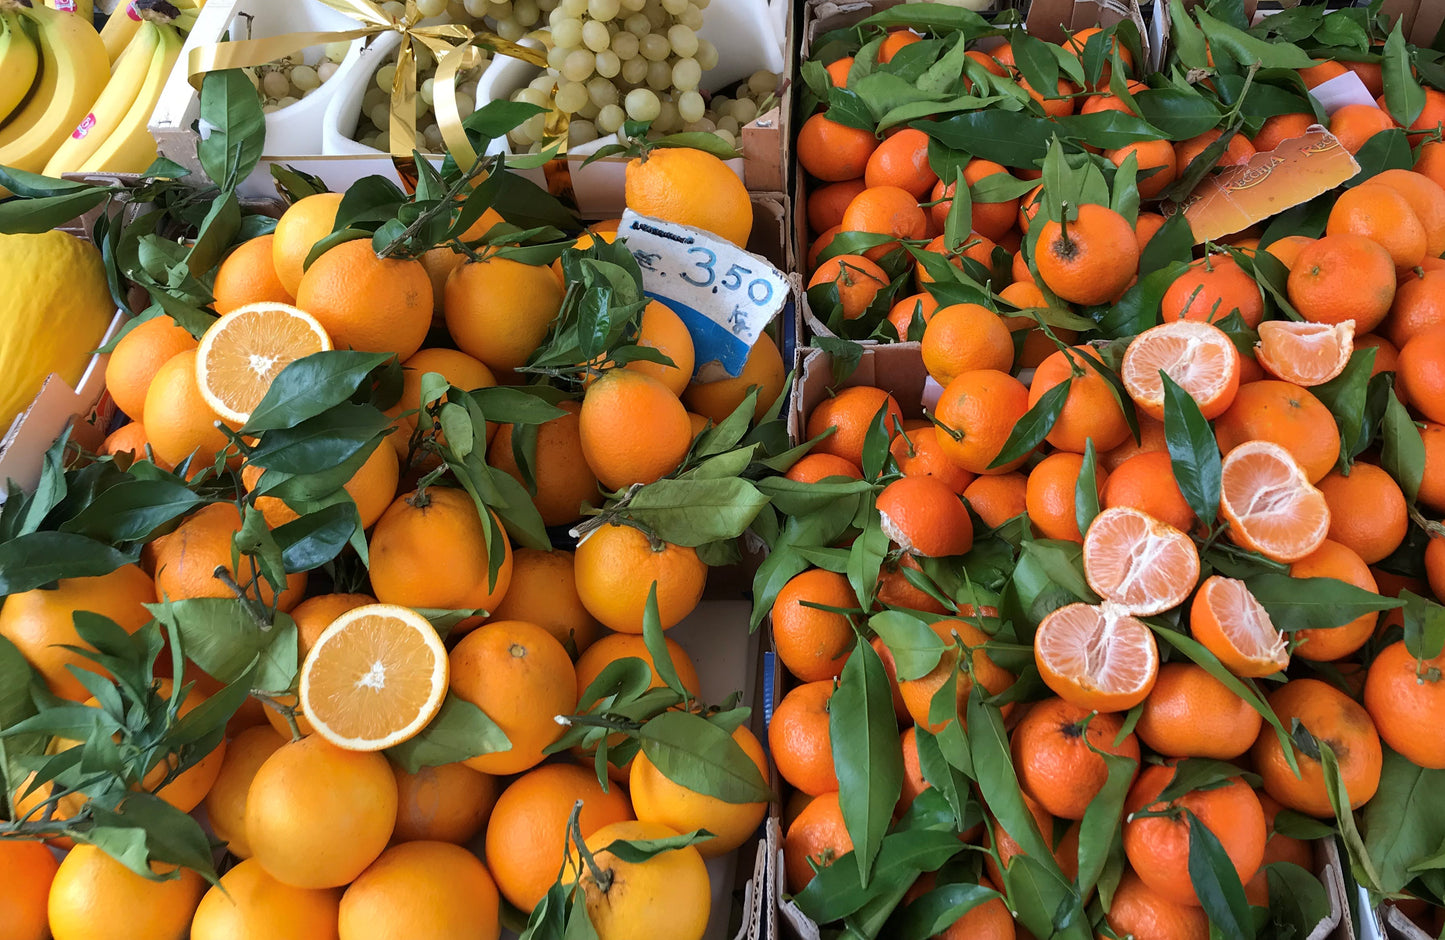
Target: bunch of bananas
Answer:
[[63, 107]]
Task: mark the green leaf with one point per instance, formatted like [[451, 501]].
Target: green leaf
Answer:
[[162, 833], [865, 560], [327, 439], [132, 510], [317, 537], [657, 646], [1099, 830], [220, 636], [1174, 242], [459, 731], [1086, 489], [232, 110], [915, 647], [835, 892], [1404, 98], [1180, 114], [695, 512], [1361, 865], [1297, 899], [310, 385], [1193, 452], [1217, 883], [1386, 150], [864, 732], [1402, 451], [1346, 396], [702, 757], [1314, 603], [1248, 50], [1006, 137], [39, 558], [1404, 823], [1424, 626], [637, 851], [934, 912], [988, 745], [1030, 430]]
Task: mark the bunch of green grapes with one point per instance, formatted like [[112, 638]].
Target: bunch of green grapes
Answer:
[[618, 60], [289, 79], [373, 128]]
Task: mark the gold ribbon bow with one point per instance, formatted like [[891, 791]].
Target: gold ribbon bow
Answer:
[[452, 45]]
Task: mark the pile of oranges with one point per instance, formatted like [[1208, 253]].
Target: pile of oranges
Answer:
[[1143, 526], [426, 609]]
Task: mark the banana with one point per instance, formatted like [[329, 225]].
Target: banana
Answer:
[[19, 60], [120, 26], [85, 9], [72, 75], [130, 147], [124, 87]]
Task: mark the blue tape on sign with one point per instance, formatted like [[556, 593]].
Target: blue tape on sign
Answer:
[[769, 665], [710, 341], [790, 336]]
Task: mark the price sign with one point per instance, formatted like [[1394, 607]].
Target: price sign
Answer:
[[724, 295]]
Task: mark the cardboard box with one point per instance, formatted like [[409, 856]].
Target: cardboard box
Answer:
[[1397, 926]]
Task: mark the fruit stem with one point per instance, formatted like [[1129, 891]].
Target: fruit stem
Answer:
[[1432, 529], [249, 603], [602, 876], [287, 713], [443, 205], [420, 499], [1064, 225]]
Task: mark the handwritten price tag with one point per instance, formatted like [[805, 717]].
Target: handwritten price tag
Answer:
[[724, 295]]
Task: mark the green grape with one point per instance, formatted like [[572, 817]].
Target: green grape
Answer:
[[581, 132], [675, 7], [745, 110], [763, 82], [526, 12], [610, 118], [608, 64], [642, 105], [686, 75], [275, 84], [567, 33], [626, 45], [654, 47], [578, 66], [638, 25], [602, 92], [691, 107], [380, 116], [634, 71], [571, 97], [691, 18], [683, 40], [556, 57], [531, 96], [596, 36], [659, 76], [706, 55], [336, 51], [603, 9], [510, 30]]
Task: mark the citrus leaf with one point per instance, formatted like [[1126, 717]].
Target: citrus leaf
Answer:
[[1402, 451], [310, 385], [916, 649], [39, 558], [1193, 452], [864, 732], [1314, 603], [1030, 430], [459, 731], [1215, 880], [702, 757]]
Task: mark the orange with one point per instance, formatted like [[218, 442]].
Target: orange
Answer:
[[1432, 485], [1066, 851], [850, 413], [1052, 486], [29, 870], [616, 568], [963, 337], [885, 210], [1333, 560], [1343, 276], [1279, 128], [997, 499], [1419, 304], [690, 187], [763, 369], [300, 227], [1157, 166], [614, 646], [440, 262], [666, 896], [1430, 117], [1426, 199], [633, 429], [1055, 754], [1055, 102], [1146, 482], [1287, 249], [137, 358], [131, 439], [565, 483], [1140, 912], [446, 803], [1354, 124], [901, 161], [317, 815], [1212, 289], [975, 415], [521, 677], [657, 798], [241, 354], [544, 591], [368, 303], [1403, 696], [250, 903], [918, 453], [895, 590], [923, 516], [913, 782], [1198, 357], [838, 71], [990, 219], [1098, 658], [1284, 414], [1089, 260], [41, 622], [662, 329], [812, 468], [1367, 511], [800, 741], [94, 897], [419, 529], [186, 559], [1236, 153], [814, 644], [1421, 372], [312, 617], [1146, 226], [1233, 625], [857, 279], [1288, 524], [827, 203], [918, 693], [1190, 713], [374, 678], [457, 368], [248, 276], [422, 889], [1331, 717], [226, 800], [1319, 74], [821, 244], [529, 824], [817, 837], [1158, 846], [834, 152], [499, 310], [1383, 215], [901, 315], [1430, 161], [974, 247], [1307, 354], [895, 41], [372, 487], [990, 920], [177, 419], [1090, 410], [1387, 357], [1136, 561], [1151, 440]]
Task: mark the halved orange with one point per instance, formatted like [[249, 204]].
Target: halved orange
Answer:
[[1097, 656], [1306, 354], [374, 678], [1136, 561], [1234, 626], [1269, 503], [1199, 357], [241, 354]]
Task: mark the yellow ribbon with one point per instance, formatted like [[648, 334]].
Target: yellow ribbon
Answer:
[[452, 45]]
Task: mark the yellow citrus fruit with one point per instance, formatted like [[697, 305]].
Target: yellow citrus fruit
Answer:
[[499, 310], [634, 430], [226, 801], [668, 895], [446, 803], [241, 354], [300, 227], [544, 592], [690, 187], [94, 897], [657, 798], [764, 368], [616, 568], [250, 903], [422, 889]]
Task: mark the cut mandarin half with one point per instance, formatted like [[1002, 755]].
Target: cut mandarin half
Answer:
[[374, 678], [1234, 626], [1136, 561], [1199, 357], [1306, 354], [1097, 656], [241, 354], [1269, 503]]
